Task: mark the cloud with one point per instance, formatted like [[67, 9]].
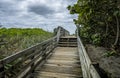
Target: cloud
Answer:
[[5, 8], [41, 10], [46, 14]]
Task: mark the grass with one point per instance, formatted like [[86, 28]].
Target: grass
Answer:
[[17, 39]]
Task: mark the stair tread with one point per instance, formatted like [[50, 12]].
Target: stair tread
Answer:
[[68, 37], [67, 45], [65, 54], [68, 41], [61, 69], [56, 75], [64, 63], [60, 57]]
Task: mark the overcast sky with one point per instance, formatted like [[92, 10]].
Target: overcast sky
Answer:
[[46, 14]]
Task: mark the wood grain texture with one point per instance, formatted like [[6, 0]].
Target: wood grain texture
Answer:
[[64, 63]]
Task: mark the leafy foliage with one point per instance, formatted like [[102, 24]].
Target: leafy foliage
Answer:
[[15, 39], [98, 22]]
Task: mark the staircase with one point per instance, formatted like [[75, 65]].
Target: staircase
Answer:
[[68, 41], [57, 57], [64, 62]]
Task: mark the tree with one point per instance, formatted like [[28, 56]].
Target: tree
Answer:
[[99, 20]]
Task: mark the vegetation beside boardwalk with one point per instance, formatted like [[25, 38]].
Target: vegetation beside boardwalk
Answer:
[[99, 22], [98, 25], [16, 39]]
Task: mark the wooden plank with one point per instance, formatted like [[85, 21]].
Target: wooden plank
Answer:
[[56, 75], [63, 65], [61, 69], [65, 58], [59, 66], [68, 42], [87, 68]]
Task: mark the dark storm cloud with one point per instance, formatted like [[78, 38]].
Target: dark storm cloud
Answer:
[[41, 10], [8, 8]]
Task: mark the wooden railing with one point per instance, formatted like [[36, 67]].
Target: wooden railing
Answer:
[[20, 64], [63, 31], [88, 67]]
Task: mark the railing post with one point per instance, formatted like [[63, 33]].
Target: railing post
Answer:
[[58, 34], [2, 68], [61, 32], [32, 72]]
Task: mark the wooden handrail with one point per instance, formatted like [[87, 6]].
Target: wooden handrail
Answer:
[[63, 32], [26, 59], [20, 64], [88, 68], [58, 34]]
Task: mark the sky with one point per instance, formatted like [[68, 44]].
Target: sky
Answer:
[[45, 14]]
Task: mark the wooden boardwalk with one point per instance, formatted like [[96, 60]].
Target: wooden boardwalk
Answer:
[[64, 63], [35, 61]]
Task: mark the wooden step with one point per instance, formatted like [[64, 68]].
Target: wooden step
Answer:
[[56, 75], [68, 37], [65, 39], [61, 62], [66, 45], [68, 62], [61, 69], [66, 49], [60, 57], [65, 54], [64, 63], [67, 42]]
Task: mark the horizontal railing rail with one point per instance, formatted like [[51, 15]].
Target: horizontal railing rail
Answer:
[[88, 69], [63, 32]]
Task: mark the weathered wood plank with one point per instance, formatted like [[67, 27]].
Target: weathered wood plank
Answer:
[[56, 67], [87, 68], [56, 75]]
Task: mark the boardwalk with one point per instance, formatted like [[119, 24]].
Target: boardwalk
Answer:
[[57, 57], [64, 63]]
